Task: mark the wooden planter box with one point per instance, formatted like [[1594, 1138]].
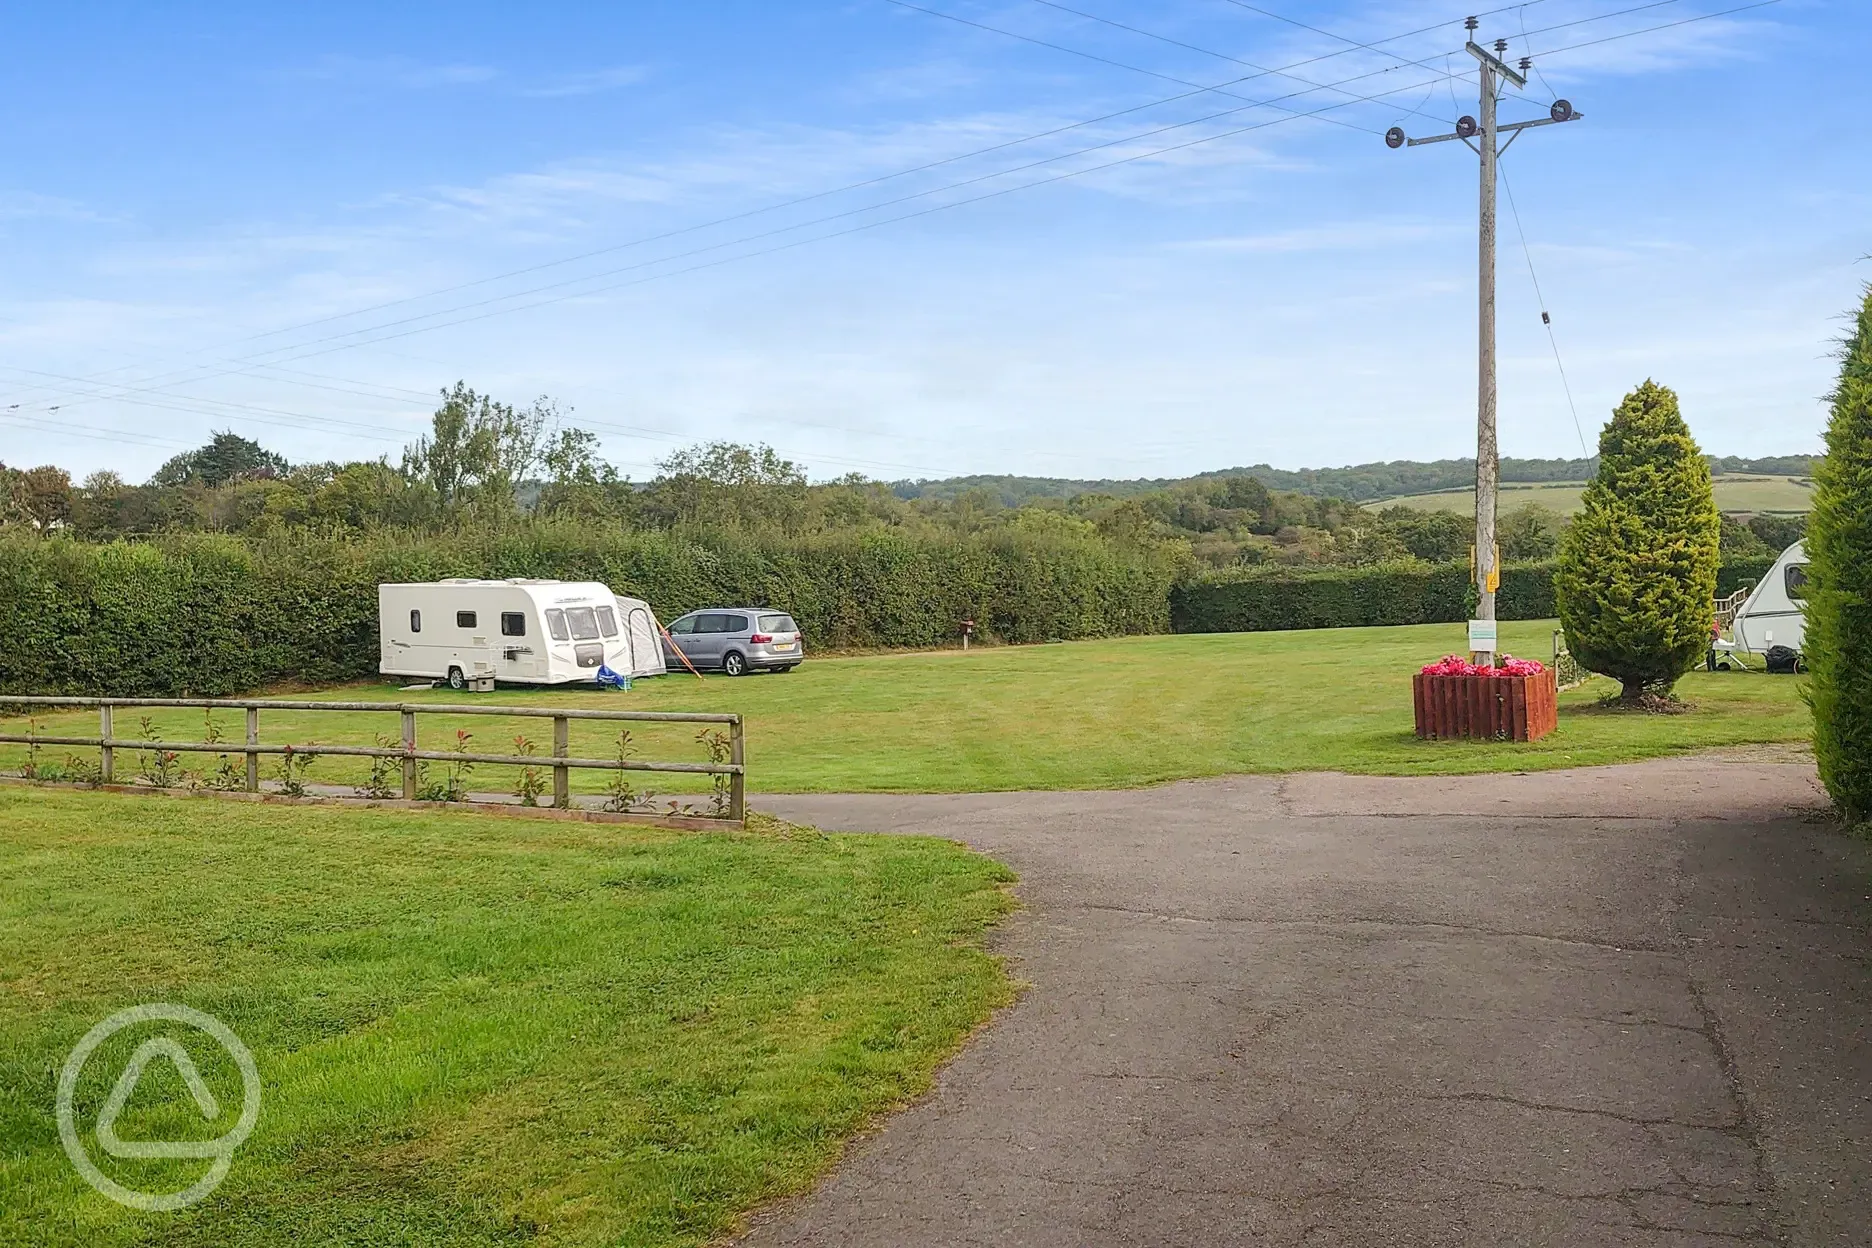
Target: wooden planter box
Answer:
[[1486, 708]]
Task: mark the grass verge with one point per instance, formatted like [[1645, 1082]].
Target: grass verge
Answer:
[[1095, 714], [471, 1031]]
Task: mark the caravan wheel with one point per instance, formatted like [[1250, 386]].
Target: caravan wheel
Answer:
[[456, 679]]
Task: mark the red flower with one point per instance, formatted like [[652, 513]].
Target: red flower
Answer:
[[1456, 665]]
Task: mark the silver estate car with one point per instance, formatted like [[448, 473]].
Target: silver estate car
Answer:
[[735, 640]]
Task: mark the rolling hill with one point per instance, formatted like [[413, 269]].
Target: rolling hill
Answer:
[[1738, 492], [1360, 483]]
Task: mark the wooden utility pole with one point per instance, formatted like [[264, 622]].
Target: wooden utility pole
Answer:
[[1481, 137], [1482, 643]]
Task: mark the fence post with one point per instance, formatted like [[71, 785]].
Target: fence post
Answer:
[[409, 763], [253, 755], [562, 776], [737, 783], [107, 757]]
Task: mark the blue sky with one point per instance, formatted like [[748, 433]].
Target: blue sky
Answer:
[[201, 206]]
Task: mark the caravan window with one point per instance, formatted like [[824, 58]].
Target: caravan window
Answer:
[[464, 619], [513, 624], [607, 621], [584, 622], [1795, 578], [556, 625], [415, 621]]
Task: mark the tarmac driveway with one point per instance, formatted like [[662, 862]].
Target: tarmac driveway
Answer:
[[1620, 1006]]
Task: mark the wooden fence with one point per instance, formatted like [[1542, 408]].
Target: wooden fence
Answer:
[[107, 742]]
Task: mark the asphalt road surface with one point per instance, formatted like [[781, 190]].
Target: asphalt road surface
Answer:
[[1621, 1006]]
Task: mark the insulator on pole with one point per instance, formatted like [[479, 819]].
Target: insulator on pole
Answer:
[[1470, 23]]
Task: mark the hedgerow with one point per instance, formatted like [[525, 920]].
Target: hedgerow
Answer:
[[1258, 599], [1838, 641], [214, 615]]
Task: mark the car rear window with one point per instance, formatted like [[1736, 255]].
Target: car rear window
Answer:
[[778, 624], [583, 622]]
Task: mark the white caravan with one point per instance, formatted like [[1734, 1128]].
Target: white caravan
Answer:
[[472, 633], [1774, 613]]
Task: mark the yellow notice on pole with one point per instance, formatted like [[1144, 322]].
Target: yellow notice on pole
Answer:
[[1494, 575]]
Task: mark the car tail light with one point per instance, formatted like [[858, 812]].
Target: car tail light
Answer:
[[761, 639]]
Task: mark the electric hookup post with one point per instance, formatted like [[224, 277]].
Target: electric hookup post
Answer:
[[1482, 137]]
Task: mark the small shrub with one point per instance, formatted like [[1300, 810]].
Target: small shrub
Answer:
[[82, 770], [382, 770], [620, 795], [229, 773], [720, 749], [162, 768], [292, 768], [32, 769], [532, 780], [452, 786]]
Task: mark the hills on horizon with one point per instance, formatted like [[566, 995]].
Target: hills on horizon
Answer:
[[1359, 483]]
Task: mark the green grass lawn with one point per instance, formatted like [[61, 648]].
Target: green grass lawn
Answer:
[[1733, 493], [1095, 714], [471, 1031]]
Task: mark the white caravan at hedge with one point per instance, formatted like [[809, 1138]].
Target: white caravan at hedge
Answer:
[[1774, 613], [472, 633]]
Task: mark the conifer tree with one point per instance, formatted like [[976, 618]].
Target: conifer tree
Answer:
[[1838, 641], [1638, 565]]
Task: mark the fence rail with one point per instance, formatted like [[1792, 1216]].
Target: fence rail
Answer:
[[107, 743]]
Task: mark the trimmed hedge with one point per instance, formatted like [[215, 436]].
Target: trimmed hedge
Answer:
[[214, 615], [1267, 599]]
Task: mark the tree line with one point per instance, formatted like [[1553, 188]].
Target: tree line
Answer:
[[487, 464], [1360, 483]]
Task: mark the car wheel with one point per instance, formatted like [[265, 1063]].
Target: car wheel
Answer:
[[733, 664], [456, 679], [789, 667]]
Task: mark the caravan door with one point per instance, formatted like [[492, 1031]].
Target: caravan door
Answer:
[[522, 651]]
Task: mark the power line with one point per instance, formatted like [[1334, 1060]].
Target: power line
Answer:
[[804, 199], [1040, 182], [800, 200], [1105, 60], [1630, 34], [578, 281], [1546, 320]]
